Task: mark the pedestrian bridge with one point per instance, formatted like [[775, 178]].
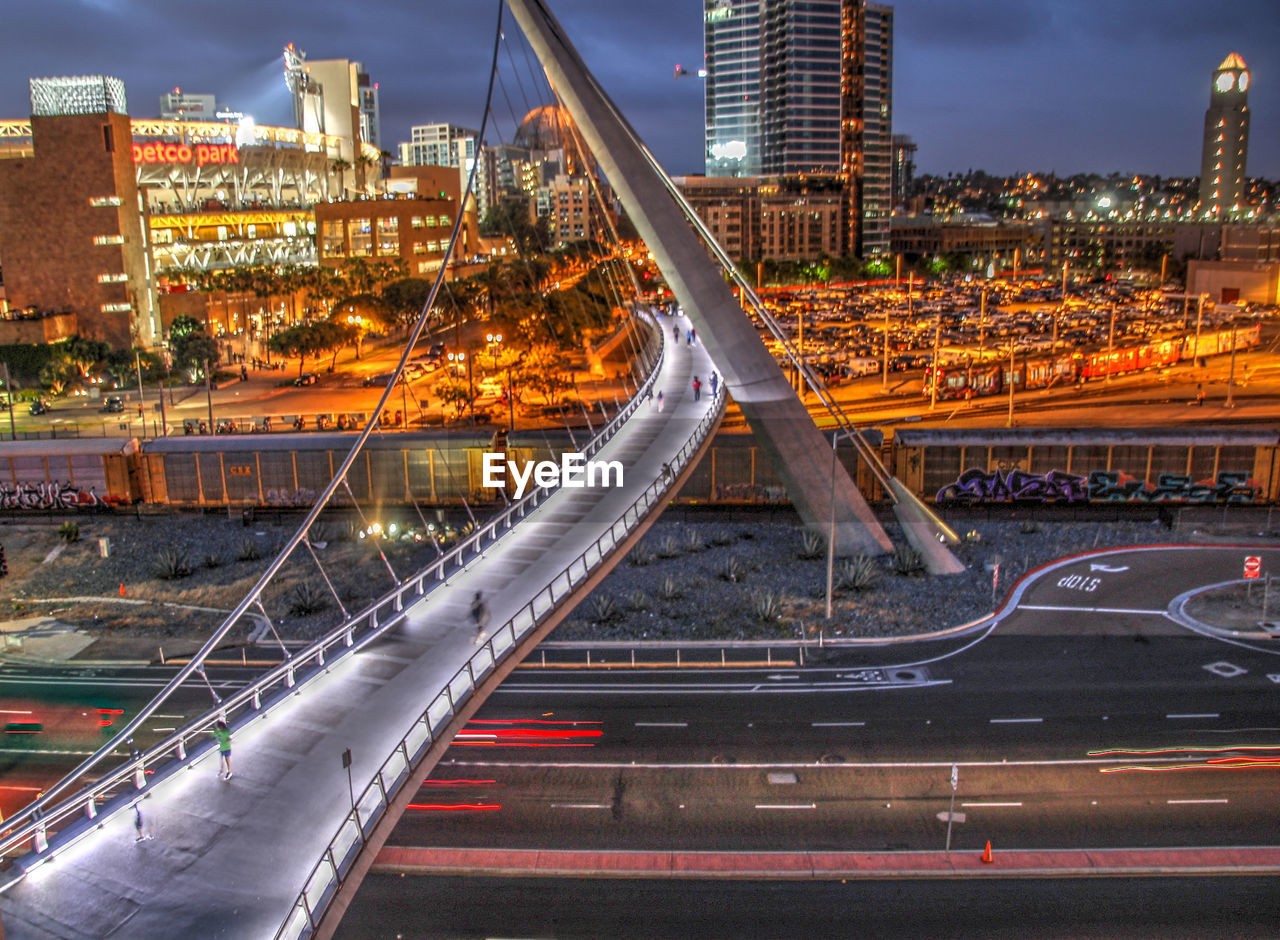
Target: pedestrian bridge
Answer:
[[285, 842]]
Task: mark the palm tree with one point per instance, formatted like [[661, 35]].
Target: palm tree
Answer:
[[340, 166]]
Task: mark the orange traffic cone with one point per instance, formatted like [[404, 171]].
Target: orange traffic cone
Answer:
[[986, 853], [122, 589]]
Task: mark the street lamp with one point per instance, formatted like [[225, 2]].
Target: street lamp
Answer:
[[460, 358]]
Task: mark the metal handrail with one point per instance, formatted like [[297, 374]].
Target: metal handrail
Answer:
[[342, 849], [36, 819]]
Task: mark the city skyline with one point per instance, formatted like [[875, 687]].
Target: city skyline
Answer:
[[1017, 86]]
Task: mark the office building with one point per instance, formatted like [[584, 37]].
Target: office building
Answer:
[[336, 97], [796, 88], [1226, 140], [904, 169]]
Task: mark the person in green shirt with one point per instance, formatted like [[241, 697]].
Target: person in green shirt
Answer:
[[223, 735]]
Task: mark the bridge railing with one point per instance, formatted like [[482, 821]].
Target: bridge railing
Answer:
[[370, 805], [76, 816]]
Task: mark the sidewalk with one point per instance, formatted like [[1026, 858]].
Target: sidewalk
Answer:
[[1058, 863]]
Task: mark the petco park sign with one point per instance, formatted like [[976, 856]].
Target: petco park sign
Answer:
[[199, 154]]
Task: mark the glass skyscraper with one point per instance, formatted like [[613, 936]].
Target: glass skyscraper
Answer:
[[801, 87]]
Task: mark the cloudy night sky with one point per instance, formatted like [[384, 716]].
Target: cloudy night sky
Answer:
[[1000, 85]]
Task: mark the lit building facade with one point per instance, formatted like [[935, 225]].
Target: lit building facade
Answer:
[[804, 87], [1226, 140], [904, 169], [72, 219]]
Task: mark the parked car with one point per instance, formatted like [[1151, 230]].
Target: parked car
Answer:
[[307, 378], [39, 407], [381, 380], [113, 404]]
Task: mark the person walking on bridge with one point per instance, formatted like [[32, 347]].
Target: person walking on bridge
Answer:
[[697, 388], [480, 614], [223, 735]]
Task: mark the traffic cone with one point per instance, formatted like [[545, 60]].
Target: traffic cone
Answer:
[[122, 589], [986, 853]]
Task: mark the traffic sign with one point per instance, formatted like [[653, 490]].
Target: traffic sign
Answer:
[[1252, 566]]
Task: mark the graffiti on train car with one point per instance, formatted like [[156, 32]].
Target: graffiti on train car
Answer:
[[1007, 484], [284, 497], [1004, 485], [47, 496], [1116, 486]]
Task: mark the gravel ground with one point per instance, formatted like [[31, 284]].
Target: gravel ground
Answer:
[[685, 581]]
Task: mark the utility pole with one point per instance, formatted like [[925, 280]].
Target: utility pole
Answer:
[[208, 392], [1111, 343], [1164, 267], [1199, 321], [1012, 380], [142, 402], [937, 343], [1231, 379], [897, 278], [884, 383], [8, 389], [955, 783], [1061, 307]]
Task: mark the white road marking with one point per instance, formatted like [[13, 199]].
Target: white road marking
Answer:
[[1108, 568], [989, 804], [837, 724], [1015, 721], [1092, 610], [581, 806], [1173, 802], [162, 730], [1225, 669], [786, 806], [728, 688], [1194, 715], [1274, 676], [662, 724]]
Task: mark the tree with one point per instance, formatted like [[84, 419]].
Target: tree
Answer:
[[404, 299], [340, 166], [333, 335], [544, 369], [57, 372], [306, 341], [85, 353], [192, 347], [454, 394]]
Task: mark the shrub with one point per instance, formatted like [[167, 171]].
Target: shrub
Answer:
[[212, 561], [248, 551], [721, 538], [906, 560], [1030, 526], [171, 564], [668, 548], [693, 541], [69, 532], [320, 532], [746, 535], [604, 609], [812, 545], [858, 573], [640, 557], [306, 599], [637, 601], [766, 606], [733, 569], [669, 589]]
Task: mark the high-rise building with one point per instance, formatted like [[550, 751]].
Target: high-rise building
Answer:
[[334, 96], [904, 168], [1226, 140], [439, 145], [801, 87]]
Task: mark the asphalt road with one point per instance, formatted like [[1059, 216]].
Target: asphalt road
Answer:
[[1164, 908]]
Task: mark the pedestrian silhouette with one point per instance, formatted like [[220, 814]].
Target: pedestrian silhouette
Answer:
[[223, 735], [715, 384], [697, 388], [139, 826], [480, 615]]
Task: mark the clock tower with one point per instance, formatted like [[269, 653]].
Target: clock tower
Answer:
[[1226, 141]]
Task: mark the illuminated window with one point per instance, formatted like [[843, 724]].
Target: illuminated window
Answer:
[[116, 308], [108, 239], [100, 201], [290, 229], [419, 248], [389, 236], [112, 278], [361, 235], [426, 267], [331, 242], [418, 221]]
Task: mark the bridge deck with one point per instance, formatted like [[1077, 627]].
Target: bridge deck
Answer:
[[228, 858]]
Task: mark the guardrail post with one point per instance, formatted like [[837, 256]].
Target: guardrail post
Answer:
[[91, 808], [140, 776], [257, 700], [288, 678], [349, 639], [399, 601], [320, 656], [182, 748], [41, 839]]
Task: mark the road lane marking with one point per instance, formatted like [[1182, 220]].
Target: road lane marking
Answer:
[[1172, 802], [1015, 721], [727, 688], [1195, 715], [970, 805], [662, 724], [581, 806], [786, 806], [837, 724], [161, 730], [1091, 610]]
